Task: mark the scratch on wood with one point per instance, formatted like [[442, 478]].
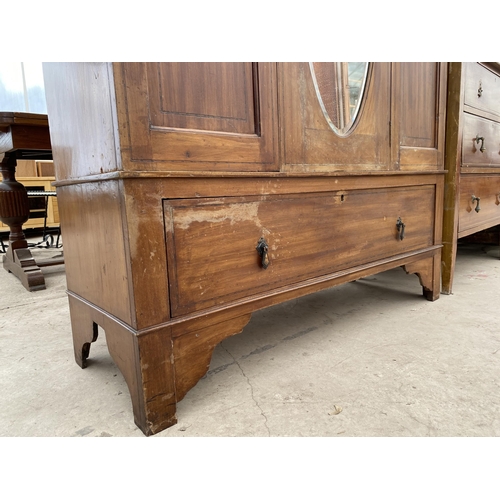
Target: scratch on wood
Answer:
[[162, 397]]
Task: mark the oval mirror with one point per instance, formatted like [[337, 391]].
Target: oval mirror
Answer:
[[339, 88]]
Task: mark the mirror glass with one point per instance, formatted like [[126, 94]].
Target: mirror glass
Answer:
[[340, 87]]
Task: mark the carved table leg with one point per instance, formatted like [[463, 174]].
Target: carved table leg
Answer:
[[14, 212]]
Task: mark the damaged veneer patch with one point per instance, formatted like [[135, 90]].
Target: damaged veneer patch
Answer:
[[234, 213]]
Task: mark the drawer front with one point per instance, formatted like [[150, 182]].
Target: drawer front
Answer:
[[487, 189], [480, 133], [211, 243], [482, 88]]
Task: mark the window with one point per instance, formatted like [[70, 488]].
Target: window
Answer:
[[22, 87]]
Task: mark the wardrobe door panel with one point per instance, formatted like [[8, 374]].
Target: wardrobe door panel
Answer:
[[419, 114], [215, 97], [201, 116], [311, 144]]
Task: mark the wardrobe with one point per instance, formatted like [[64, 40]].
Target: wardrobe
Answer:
[[193, 194]]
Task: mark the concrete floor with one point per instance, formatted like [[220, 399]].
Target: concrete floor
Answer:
[[369, 358]]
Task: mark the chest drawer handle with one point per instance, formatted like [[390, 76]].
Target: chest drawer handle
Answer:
[[480, 139], [480, 90], [476, 198], [401, 228], [263, 249]]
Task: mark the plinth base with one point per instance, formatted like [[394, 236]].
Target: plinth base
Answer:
[[21, 263]]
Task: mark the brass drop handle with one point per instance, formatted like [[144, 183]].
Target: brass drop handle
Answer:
[[400, 225], [263, 249], [476, 198], [480, 139], [480, 90]]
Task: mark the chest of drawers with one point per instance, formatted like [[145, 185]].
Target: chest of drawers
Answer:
[[192, 194], [472, 192]]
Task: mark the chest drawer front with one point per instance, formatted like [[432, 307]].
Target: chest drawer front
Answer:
[[482, 88], [487, 189], [211, 243], [480, 133]]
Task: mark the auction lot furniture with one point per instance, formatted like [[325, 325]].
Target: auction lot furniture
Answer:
[[192, 194], [22, 136], [472, 194]]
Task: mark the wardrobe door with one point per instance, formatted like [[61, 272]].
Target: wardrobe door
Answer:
[[316, 137], [200, 116], [419, 104]]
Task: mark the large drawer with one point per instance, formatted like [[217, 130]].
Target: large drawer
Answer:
[[480, 133], [482, 88], [211, 243], [487, 189]]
